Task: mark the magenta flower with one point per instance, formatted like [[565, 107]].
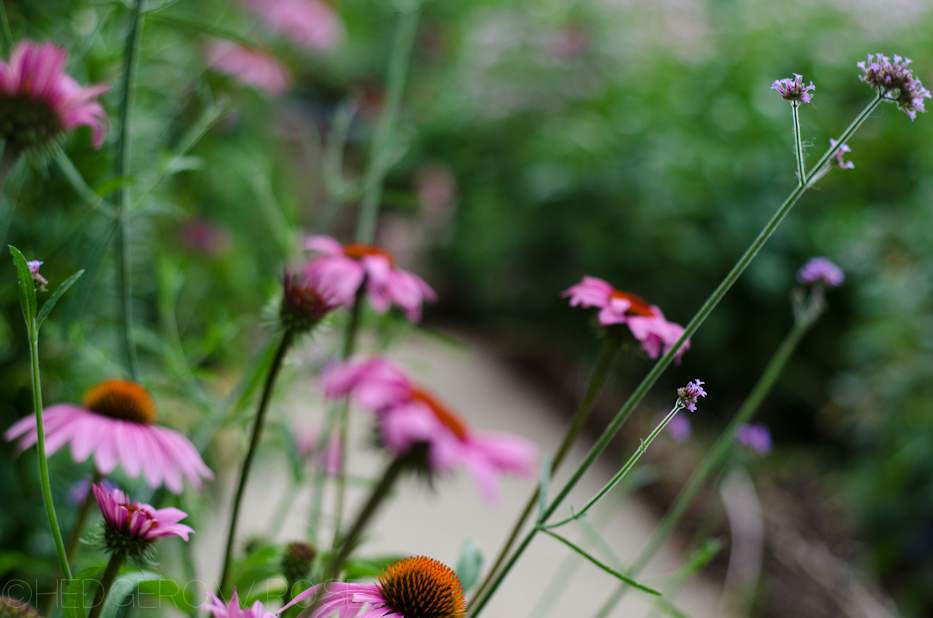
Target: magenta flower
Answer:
[[39, 102], [305, 302], [39, 280], [340, 270], [646, 322], [307, 443], [837, 159], [688, 394], [116, 426], [403, 590], [409, 415], [895, 82], [311, 24], [755, 436], [820, 270], [679, 427], [794, 89], [218, 609], [249, 66], [130, 527]]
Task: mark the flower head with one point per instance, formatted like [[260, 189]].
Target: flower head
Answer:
[[646, 322], [793, 89], [755, 436], [219, 609], [688, 394], [311, 24], [837, 159], [417, 587], [820, 270], [39, 280], [116, 425], [340, 270], [14, 608], [39, 102], [250, 66], [895, 82], [297, 560], [131, 527], [410, 416], [304, 304]]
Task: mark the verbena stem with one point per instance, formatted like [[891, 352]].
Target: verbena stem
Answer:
[[798, 144], [666, 359], [287, 338], [600, 373], [124, 267]]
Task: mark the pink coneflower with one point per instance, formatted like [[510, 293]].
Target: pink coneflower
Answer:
[[646, 322], [416, 587], [342, 269], [250, 66], [116, 426], [793, 89], [219, 609], [130, 527], [409, 415], [311, 24], [305, 302], [39, 102], [820, 270], [205, 237]]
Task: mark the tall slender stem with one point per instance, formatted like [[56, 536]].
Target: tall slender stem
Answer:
[[124, 265], [106, 582], [798, 144], [600, 373], [6, 35], [381, 153], [40, 445], [287, 338], [89, 501], [718, 453]]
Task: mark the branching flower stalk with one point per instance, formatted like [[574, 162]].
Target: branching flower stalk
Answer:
[[798, 144], [662, 363]]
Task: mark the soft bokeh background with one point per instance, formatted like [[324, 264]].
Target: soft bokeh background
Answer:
[[540, 140]]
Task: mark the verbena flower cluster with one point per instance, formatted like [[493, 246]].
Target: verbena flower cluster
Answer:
[[793, 89], [895, 82]]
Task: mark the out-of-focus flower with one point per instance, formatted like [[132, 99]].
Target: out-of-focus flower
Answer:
[[249, 66], [688, 394], [837, 159], [40, 281], [307, 442], [412, 588], [81, 489], [646, 322], [820, 270], [436, 186], [755, 436], [39, 102], [296, 561], [895, 82], [340, 270], [409, 415], [204, 237], [14, 608], [116, 426], [311, 24], [793, 89], [679, 427], [130, 527], [219, 609], [304, 302], [571, 41]]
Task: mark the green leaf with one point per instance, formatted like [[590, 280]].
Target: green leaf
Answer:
[[470, 564], [264, 563], [50, 303], [271, 590], [27, 288], [112, 184], [543, 487], [166, 589], [701, 557], [188, 23], [286, 438], [368, 568], [78, 588], [628, 580], [123, 587]]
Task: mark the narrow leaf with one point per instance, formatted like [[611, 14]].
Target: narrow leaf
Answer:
[[199, 26], [123, 587], [599, 542], [75, 594], [50, 303], [628, 580], [668, 608], [27, 288], [543, 487], [470, 564]]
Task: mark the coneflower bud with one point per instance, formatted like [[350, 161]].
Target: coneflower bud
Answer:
[[14, 608], [303, 305], [297, 560]]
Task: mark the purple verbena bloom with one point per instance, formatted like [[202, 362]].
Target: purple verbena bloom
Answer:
[[41, 281], [688, 394], [755, 436], [820, 270], [679, 428], [793, 89], [895, 82], [79, 491], [837, 159]]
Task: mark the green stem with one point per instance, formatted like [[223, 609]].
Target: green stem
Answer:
[[5, 32], [89, 501], [718, 453], [798, 144], [40, 445], [381, 154], [666, 359], [287, 338], [813, 176], [122, 169], [106, 582], [281, 511], [600, 373]]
